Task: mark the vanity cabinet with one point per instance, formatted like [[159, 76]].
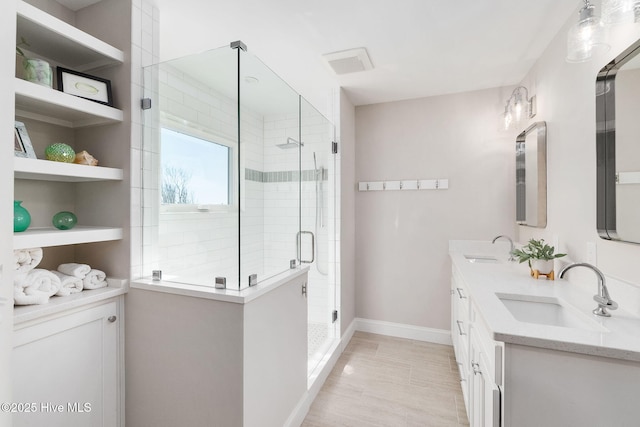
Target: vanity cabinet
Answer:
[[484, 378], [66, 368], [528, 373], [478, 357], [460, 330]]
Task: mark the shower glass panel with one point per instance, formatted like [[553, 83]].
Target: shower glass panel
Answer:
[[222, 182], [270, 157], [190, 191], [317, 219]]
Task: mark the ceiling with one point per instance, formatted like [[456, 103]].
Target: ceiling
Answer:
[[418, 47]]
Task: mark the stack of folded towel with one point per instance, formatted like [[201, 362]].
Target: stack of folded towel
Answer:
[[90, 278], [32, 285]]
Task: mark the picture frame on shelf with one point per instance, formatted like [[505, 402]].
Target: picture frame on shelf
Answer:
[[84, 85], [22, 146]]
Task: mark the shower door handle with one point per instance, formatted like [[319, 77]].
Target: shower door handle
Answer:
[[299, 247]]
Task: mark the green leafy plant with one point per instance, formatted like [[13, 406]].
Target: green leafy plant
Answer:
[[536, 249]]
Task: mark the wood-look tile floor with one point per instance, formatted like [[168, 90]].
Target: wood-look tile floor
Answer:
[[386, 381]]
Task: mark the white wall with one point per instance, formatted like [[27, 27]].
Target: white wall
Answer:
[[7, 68], [401, 263], [566, 101]]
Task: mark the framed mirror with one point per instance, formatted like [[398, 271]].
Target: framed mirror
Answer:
[[531, 176], [618, 147]]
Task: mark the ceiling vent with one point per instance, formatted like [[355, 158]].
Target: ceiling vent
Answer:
[[349, 61]]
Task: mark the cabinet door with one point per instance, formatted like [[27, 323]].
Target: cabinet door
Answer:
[[65, 370], [484, 395]]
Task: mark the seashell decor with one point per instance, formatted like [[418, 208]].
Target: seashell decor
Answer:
[[84, 158]]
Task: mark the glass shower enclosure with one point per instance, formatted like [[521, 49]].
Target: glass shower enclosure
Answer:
[[239, 181]]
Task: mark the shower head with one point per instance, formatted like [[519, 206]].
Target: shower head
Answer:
[[291, 143]]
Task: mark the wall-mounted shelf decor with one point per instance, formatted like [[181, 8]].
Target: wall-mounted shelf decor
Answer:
[[407, 184]]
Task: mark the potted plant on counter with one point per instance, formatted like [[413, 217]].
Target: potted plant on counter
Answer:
[[540, 257]]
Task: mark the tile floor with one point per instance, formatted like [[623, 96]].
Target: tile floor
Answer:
[[395, 382]]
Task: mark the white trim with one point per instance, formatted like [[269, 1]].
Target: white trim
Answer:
[[400, 330], [302, 408]]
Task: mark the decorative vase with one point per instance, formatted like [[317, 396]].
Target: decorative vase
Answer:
[[21, 217], [542, 267], [60, 152], [38, 71], [64, 220]]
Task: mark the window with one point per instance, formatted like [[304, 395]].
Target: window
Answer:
[[195, 171]]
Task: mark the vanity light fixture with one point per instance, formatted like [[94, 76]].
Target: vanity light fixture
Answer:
[[518, 105], [620, 11], [587, 36]]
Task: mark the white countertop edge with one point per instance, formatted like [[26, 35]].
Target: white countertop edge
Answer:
[[227, 295], [56, 304], [485, 280]]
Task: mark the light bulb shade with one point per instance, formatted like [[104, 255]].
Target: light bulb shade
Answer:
[[587, 37], [620, 11]]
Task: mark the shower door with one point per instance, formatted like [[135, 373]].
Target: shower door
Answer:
[[317, 229]]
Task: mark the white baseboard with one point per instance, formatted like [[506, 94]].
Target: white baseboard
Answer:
[[418, 333], [302, 408]]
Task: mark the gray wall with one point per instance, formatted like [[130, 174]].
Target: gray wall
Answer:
[[402, 266], [347, 211]]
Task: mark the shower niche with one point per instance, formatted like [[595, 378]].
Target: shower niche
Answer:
[[238, 180]]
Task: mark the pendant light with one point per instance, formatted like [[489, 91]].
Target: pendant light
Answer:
[[587, 36], [620, 11]]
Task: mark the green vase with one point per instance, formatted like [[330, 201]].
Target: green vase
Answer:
[[21, 217], [64, 220]]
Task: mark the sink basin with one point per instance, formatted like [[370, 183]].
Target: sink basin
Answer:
[[481, 259], [546, 311]]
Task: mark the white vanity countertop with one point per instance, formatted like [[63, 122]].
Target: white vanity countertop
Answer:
[[227, 295], [615, 337]]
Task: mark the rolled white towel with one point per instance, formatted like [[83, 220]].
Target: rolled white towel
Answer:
[[74, 269], [68, 284], [34, 287], [95, 279], [27, 259]]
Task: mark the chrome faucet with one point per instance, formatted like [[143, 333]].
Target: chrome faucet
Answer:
[[602, 298], [511, 258]]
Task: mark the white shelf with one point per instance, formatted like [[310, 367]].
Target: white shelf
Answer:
[[57, 304], [45, 170], [48, 105], [44, 237], [52, 38]]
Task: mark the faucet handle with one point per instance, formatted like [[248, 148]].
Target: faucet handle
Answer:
[[605, 302]]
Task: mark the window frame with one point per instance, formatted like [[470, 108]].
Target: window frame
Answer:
[[202, 133]]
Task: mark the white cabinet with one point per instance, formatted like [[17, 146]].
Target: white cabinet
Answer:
[[460, 330], [484, 397], [65, 369], [479, 358]]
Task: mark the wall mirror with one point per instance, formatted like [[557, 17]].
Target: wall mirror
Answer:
[[531, 176], [618, 147]]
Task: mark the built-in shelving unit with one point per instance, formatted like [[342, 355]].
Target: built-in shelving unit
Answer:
[[63, 172], [60, 43]]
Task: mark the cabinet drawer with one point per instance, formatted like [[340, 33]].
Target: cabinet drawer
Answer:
[[492, 350]]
